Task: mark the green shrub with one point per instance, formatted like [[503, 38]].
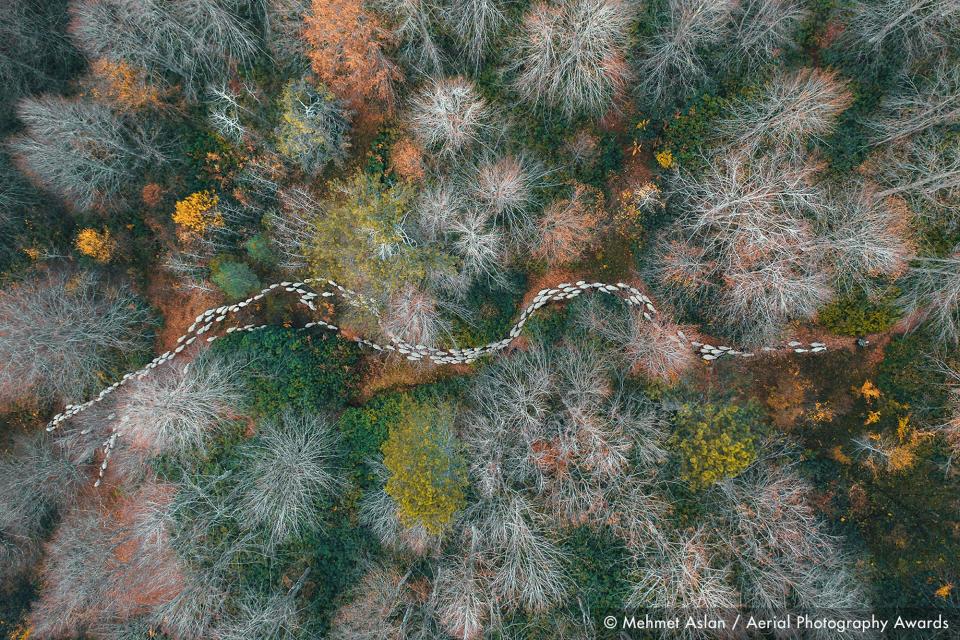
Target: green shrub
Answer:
[[209, 156], [714, 442], [847, 147], [235, 279], [689, 132], [908, 375], [599, 567], [289, 367], [364, 430], [859, 314], [336, 560], [427, 475]]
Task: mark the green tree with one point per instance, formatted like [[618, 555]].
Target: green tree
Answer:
[[427, 474], [290, 368], [714, 442], [236, 279]]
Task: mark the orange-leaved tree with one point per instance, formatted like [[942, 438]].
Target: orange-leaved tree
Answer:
[[346, 52]]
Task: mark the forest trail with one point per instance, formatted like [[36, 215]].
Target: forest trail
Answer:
[[214, 319]]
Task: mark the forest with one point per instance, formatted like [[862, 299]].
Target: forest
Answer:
[[477, 319]]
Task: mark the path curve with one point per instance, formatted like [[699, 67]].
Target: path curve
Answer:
[[312, 289]]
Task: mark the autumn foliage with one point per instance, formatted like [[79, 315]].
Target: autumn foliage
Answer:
[[98, 245], [346, 51], [406, 160], [427, 475], [198, 212], [124, 84]]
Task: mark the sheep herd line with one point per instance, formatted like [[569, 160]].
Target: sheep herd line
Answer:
[[212, 319]]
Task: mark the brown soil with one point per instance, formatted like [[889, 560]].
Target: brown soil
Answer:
[[635, 172], [179, 307], [392, 373]]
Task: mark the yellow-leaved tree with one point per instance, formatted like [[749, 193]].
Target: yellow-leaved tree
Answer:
[[714, 442], [427, 473], [198, 212], [98, 245]]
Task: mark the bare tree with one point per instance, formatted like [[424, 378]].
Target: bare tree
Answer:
[[145, 568], [76, 576], [193, 42], [283, 27], [867, 239], [58, 330], [201, 512], [224, 116], [916, 28], [683, 573], [481, 248], [381, 607], [414, 22], [475, 23], [413, 315], [931, 293], [275, 616], [81, 150], [761, 301], [528, 569], [437, 208], [107, 566], [673, 62], [657, 348], [795, 107], [36, 484], [449, 116], [15, 190], [924, 169], [763, 29], [290, 469], [582, 148], [173, 410], [461, 592], [262, 176], [786, 557], [193, 611], [506, 189], [468, 234], [951, 427], [36, 53], [745, 248], [639, 513], [571, 54], [367, 616], [925, 102], [569, 226], [139, 628], [553, 422], [292, 226]]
